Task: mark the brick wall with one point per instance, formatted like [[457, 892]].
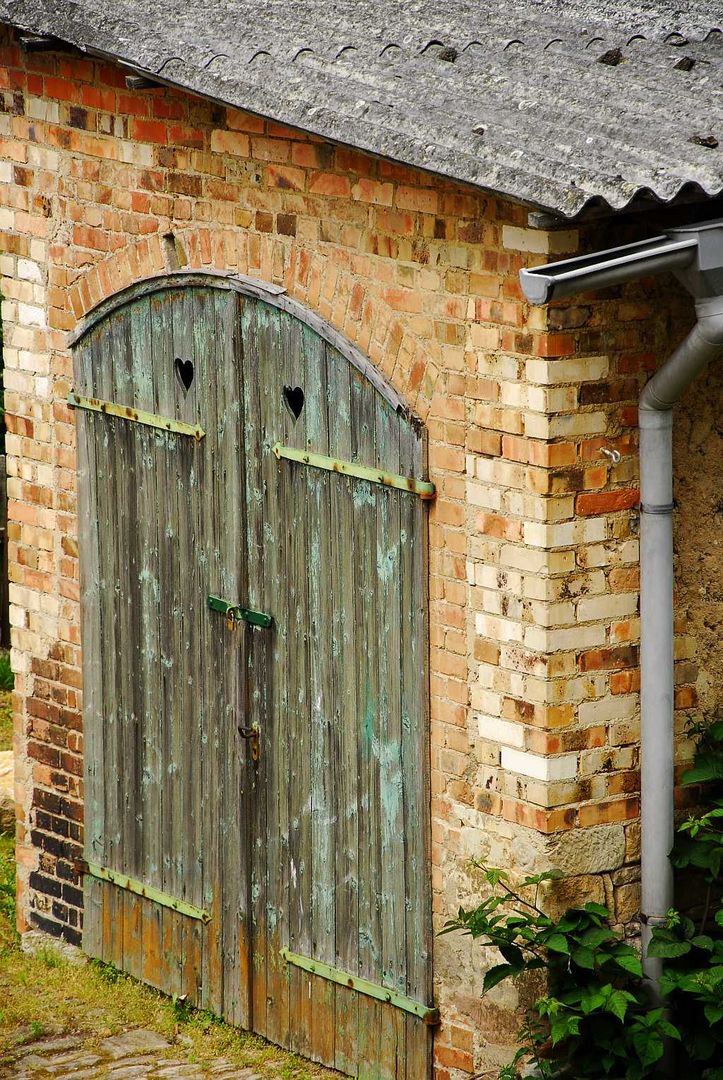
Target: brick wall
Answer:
[[533, 536]]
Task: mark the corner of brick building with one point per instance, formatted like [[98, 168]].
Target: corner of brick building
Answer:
[[553, 579], [533, 573]]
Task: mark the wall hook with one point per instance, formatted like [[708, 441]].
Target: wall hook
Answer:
[[613, 455]]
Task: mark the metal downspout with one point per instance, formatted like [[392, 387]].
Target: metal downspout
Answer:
[[659, 396], [694, 253]]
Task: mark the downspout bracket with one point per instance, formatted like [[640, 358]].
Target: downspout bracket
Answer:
[[651, 508]]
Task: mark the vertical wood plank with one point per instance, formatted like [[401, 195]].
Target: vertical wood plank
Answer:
[[414, 679], [320, 618], [186, 404], [148, 652], [344, 714], [126, 633], [90, 600], [107, 497], [391, 839], [222, 361], [267, 664], [216, 702], [365, 500], [256, 349], [298, 788]]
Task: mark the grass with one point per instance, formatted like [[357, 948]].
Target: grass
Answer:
[[44, 995], [6, 720], [7, 679]]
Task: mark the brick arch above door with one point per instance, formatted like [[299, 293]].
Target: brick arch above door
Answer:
[[326, 285]]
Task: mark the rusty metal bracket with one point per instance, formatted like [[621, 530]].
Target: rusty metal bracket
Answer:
[[253, 735], [423, 488], [426, 1013], [140, 889], [136, 416]]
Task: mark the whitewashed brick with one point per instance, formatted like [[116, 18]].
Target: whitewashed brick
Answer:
[[501, 731], [615, 553], [540, 241], [31, 315], [553, 399], [498, 366], [498, 629], [484, 495], [556, 767], [568, 638], [567, 426], [29, 270], [560, 613], [607, 607], [579, 369], [565, 534], [608, 709], [540, 508]]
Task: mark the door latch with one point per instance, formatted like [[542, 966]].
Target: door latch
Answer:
[[252, 734], [236, 614]]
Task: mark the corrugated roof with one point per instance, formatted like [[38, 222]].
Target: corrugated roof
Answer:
[[554, 102]]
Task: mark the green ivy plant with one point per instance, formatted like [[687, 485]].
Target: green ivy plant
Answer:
[[597, 1020], [692, 949]]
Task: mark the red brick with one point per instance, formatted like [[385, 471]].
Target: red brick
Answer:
[[153, 131], [607, 502], [330, 184], [60, 89]]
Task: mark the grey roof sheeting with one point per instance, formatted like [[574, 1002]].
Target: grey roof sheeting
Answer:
[[558, 103]]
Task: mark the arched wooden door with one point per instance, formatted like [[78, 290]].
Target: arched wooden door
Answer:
[[257, 809]]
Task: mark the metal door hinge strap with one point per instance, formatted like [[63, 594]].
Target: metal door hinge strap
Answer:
[[423, 488], [237, 614], [138, 887], [363, 986], [136, 416]]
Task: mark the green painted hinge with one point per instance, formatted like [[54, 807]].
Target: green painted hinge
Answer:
[[235, 614], [136, 416], [423, 488], [155, 895], [362, 986]]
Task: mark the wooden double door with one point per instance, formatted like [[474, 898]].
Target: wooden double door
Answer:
[[257, 809]]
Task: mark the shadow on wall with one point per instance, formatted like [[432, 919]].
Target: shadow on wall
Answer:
[[698, 464]]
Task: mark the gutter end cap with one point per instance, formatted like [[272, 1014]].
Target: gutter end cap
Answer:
[[537, 287]]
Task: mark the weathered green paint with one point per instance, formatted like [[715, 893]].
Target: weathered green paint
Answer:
[[321, 846], [136, 416], [423, 488], [239, 614], [362, 986], [146, 891]]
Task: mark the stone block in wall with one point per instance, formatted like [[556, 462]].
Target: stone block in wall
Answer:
[[595, 850], [559, 895]]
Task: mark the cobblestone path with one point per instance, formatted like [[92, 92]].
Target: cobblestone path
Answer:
[[131, 1056]]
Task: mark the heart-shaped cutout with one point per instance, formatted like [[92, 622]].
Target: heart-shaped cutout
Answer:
[[184, 372], [294, 400]]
